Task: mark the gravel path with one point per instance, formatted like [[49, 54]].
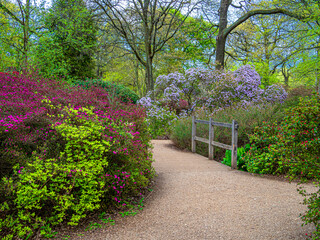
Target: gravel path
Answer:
[[195, 198]]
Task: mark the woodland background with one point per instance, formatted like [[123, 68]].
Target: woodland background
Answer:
[[133, 42], [86, 85]]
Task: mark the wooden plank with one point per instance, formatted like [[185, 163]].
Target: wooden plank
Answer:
[[210, 139], [200, 139], [194, 132], [202, 121], [222, 145], [220, 124], [234, 145]]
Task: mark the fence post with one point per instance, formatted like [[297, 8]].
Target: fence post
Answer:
[[234, 144], [211, 137], [194, 132]]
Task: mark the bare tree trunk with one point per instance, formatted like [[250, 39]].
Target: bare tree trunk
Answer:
[[148, 34], [149, 77], [220, 51], [222, 38], [138, 87], [286, 75], [26, 33], [150, 74]]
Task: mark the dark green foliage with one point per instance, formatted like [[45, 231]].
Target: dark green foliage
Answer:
[[115, 90], [291, 147], [240, 154], [67, 47]]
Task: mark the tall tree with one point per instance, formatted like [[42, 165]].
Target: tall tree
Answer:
[[139, 23], [23, 14], [9, 39], [246, 11], [68, 45], [270, 43], [192, 46]]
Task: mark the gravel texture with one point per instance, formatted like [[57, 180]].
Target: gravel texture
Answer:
[[197, 198]]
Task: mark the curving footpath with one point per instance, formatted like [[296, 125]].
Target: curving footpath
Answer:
[[195, 198]]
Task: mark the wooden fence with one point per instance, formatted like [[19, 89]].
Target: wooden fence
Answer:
[[233, 147]]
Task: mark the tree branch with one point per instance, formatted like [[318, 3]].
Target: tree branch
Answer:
[[249, 14], [5, 9]]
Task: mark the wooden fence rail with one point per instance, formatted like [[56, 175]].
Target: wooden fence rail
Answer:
[[233, 147]]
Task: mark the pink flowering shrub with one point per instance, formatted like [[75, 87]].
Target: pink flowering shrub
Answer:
[[67, 151], [291, 147]]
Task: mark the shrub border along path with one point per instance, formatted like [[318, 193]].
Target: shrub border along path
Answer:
[[195, 198]]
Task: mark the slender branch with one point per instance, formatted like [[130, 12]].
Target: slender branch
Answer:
[[249, 14], [5, 9]]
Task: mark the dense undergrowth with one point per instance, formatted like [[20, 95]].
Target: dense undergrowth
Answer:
[[114, 90], [65, 152]]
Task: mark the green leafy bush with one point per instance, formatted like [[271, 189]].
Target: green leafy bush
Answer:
[[71, 185], [67, 187], [240, 154], [248, 118], [180, 135], [115, 90], [291, 101], [292, 147]]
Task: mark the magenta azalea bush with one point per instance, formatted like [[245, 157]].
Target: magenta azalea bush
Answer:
[[66, 151]]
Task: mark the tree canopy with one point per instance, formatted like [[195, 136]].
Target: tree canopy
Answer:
[[132, 42]]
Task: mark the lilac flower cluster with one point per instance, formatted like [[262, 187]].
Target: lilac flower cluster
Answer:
[[154, 110], [275, 93], [159, 117], [214, 89], [176, 86], [211, 90], [145, 101]]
